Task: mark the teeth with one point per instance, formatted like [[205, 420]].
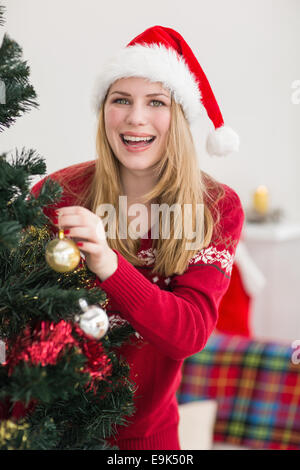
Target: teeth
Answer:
[[136, 139]]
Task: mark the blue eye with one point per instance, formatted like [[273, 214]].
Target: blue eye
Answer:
[[118, 100], [160, 103], [154, 103]]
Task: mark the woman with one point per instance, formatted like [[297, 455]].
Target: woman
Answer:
[[167, 287]]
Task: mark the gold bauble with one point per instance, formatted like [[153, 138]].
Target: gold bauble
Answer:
[[62, 254], [10, 430]]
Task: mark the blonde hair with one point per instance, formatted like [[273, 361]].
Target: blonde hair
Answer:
[[180, 181]]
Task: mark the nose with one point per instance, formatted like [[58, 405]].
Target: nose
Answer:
[[136, 115]]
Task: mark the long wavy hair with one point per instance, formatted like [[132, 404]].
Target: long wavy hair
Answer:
[[180, 181]]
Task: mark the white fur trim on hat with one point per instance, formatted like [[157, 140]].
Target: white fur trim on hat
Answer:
[[158, 64], [222, 141]]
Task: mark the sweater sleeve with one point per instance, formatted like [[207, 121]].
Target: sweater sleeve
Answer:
[[179, 322]]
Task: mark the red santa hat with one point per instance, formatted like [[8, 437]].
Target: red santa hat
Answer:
[[161, 55]]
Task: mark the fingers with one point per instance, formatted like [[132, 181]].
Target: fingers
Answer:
[[75, 215], [68, 221], [79, 211], [90, 248], [85, 233], [73, 210], [81, 223]]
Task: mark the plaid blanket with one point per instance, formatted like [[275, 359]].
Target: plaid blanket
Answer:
[[257, 387]]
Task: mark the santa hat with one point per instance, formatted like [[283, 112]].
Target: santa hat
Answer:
[[161, 55]]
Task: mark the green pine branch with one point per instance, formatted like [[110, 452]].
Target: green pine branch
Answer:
[[17, 209], [66, 413], [20, 95]]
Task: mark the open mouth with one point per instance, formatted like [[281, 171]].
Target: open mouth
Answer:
[[137, 142]]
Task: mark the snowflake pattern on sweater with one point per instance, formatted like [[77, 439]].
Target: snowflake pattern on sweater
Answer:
[[209, 255], [147, 256]]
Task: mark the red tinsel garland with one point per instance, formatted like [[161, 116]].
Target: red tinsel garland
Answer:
[[40, 346], [46, 343], [98, 364]]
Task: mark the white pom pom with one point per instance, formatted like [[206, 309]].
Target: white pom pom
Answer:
[[222, 141]]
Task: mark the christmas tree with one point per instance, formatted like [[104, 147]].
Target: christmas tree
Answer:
[[60, 387]]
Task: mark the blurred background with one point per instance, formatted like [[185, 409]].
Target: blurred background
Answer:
[[250, 52]]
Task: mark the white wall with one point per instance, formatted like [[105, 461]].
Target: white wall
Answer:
[[249, 50]]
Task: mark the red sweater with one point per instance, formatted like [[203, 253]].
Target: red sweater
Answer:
[[173, 318]]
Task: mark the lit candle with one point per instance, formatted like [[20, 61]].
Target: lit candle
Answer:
[[261, 200]]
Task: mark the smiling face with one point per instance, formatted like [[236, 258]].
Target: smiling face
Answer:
[[137, 117]]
